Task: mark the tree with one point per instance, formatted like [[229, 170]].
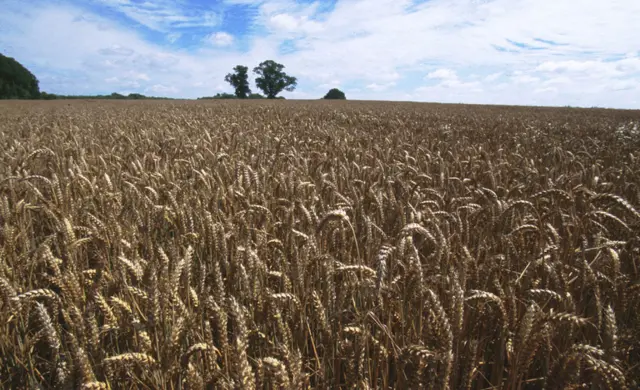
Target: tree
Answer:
[[240, 81], [272, 80], [16, 81], [335, 93]]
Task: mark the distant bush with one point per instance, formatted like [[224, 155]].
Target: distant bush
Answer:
[[16, 81], [335, 93], [223, 95], [48, 96]]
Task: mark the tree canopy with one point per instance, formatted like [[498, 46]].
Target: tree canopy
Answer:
[[239, 80], [272, 79], [335, 93], [16, 81]]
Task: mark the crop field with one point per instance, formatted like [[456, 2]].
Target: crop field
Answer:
[[328, 245]]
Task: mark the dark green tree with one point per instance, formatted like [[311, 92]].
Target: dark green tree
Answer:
[[272, 80], [16, 81], [335, 93], [240, 81]]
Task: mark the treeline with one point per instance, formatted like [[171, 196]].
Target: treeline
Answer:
[[113, 96], [17, 82]]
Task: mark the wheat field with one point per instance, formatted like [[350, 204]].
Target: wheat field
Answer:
[[328, 245]]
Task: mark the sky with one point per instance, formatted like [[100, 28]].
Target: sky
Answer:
[[523, 52]]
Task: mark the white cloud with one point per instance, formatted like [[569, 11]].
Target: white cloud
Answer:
[[545, 90], [574, 66], [162, 89], [287, 23], [558, 80], [629, 64], [443, 74], [493, 77], [623, 85], [525, 79], [284, 22], [449, 79], [380, 87], [330, 84], [592, 68], [220, 39]]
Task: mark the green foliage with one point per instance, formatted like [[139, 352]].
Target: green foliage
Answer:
[[47, 96], [225, 95], [239, 80], [272, 80], [335, 93], [16, 81], [222, 95], [113, 96]]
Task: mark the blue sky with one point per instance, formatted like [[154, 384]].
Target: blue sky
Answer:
[[540, 52]]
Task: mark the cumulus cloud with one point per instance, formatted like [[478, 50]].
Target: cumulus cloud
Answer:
[[448, 78], [380, 87], [525, 79], [443, 74], [284, 22], [220, 39], [288, 23]]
